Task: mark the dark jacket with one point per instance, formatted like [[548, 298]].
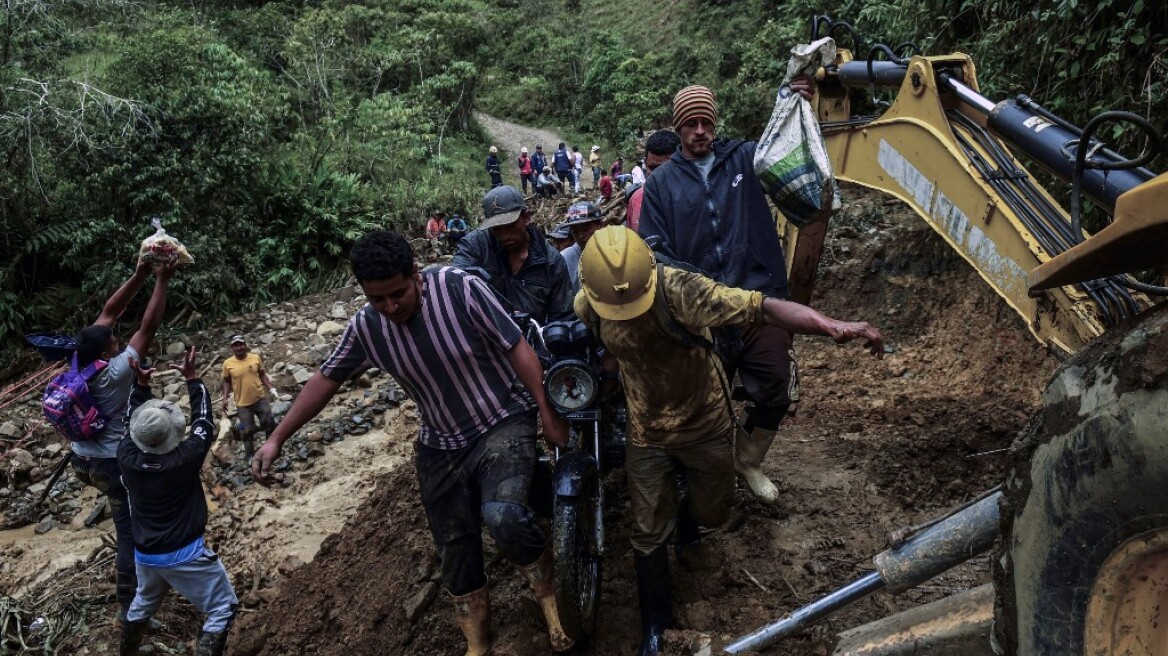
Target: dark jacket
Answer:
[[542, 287], [538, 161], [493, 164], [563, 160], [166, 496], [723, 225]]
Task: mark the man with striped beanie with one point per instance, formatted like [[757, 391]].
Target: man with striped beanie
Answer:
[[707, 208]]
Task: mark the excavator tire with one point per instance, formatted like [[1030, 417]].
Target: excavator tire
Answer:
[[1082, 564]]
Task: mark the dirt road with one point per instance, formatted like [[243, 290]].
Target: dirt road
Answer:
[[510, 137]]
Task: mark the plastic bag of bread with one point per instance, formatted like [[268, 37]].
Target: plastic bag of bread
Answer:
[[161, 248]]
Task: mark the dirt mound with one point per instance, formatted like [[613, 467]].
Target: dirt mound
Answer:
[[874, 445]]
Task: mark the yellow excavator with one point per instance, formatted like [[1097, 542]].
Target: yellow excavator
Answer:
[[1080, 525]]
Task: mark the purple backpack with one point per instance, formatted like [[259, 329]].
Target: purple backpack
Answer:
[[69, 406]]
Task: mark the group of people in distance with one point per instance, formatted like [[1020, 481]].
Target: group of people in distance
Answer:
[[447, 337]]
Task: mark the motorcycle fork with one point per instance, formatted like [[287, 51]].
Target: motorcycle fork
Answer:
[[598, 507]]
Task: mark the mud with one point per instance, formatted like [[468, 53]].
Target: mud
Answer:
[[872, 447]]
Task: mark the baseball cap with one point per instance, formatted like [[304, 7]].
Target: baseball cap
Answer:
[[502, 206], [560, 232], [595, 148], [238, 339]]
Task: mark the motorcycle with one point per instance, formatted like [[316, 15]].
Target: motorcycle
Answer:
[[574, 385], [596, 444]]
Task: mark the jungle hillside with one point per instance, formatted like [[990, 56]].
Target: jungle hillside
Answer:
[[269, 135]]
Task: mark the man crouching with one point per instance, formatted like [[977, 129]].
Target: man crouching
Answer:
[[160, 469]]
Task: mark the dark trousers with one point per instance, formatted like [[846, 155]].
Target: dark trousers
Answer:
[[496, 179], [651, 470], [105, 475], [769, 374], [484, 483], [524, 179]]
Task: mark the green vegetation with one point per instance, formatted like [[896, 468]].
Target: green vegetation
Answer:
[[611, 69], [268, 134], [265, 135]]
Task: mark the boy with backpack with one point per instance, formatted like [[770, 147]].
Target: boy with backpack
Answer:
[[656, 320], [101, 395]]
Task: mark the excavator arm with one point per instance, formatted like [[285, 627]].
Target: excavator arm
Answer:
[[941, 148]]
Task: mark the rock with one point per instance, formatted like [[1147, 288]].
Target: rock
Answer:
[[20, 462], [310, 325], [45, 526], [339, 311], [278, 367], [314, 436], [289, 565], [301, 375], [172, 398], [417, 604], [315, 340], [5, 492], [281, 407], [330, 329], [267, 338], [345, 294], [173, 389], [318, 354], [52, 450], [175, 349], [11, 429]]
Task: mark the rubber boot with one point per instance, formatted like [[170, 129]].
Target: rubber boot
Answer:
[[692, 554], [539, 575], [749, 450], [472, 613], [214, 643], [655, 598], [132, 633]]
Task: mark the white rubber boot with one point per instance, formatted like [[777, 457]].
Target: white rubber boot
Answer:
[[749, 451]]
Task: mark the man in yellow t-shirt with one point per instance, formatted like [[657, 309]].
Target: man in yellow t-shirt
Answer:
[[244, 375], [678, 413]]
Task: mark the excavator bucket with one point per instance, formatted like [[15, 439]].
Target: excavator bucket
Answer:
[[1137, 239]]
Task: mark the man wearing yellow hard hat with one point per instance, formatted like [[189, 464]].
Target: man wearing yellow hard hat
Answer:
[[655, 321]]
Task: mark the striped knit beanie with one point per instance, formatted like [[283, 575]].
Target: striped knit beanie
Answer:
[[694, 102]]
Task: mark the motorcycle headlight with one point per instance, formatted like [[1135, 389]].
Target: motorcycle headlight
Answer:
[[570, 386]]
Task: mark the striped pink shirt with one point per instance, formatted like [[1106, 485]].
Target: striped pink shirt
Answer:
[[450, 358]]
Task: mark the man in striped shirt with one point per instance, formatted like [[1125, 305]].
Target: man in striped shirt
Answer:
[[478, 386]]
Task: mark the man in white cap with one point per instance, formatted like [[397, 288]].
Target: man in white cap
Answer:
[[523, 267], [526, 171], [160, 465], [597, 166]]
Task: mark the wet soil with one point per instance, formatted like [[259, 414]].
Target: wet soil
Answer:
[[873, 446]]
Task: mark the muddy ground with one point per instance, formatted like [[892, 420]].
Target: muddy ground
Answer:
[[873, 446]]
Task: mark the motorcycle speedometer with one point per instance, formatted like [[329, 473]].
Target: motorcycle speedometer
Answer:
[[571, 386]]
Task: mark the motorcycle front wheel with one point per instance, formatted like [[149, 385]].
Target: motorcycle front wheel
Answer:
[[578, 565]]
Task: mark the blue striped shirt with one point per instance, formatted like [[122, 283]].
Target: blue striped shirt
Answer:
[[450, 358]]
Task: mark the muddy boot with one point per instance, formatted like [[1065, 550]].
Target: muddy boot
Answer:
[[655, 598], [132, 633], [211, 643], [539, 575], [692, 554], [214, 643], [472, 613], [749, 451]]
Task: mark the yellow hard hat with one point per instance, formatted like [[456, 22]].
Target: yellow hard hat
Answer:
[[618, 273]]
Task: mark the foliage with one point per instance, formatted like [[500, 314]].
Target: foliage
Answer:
[[265, 135]]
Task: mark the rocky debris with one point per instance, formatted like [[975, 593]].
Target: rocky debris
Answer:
[[417, 604], [293, 338]]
